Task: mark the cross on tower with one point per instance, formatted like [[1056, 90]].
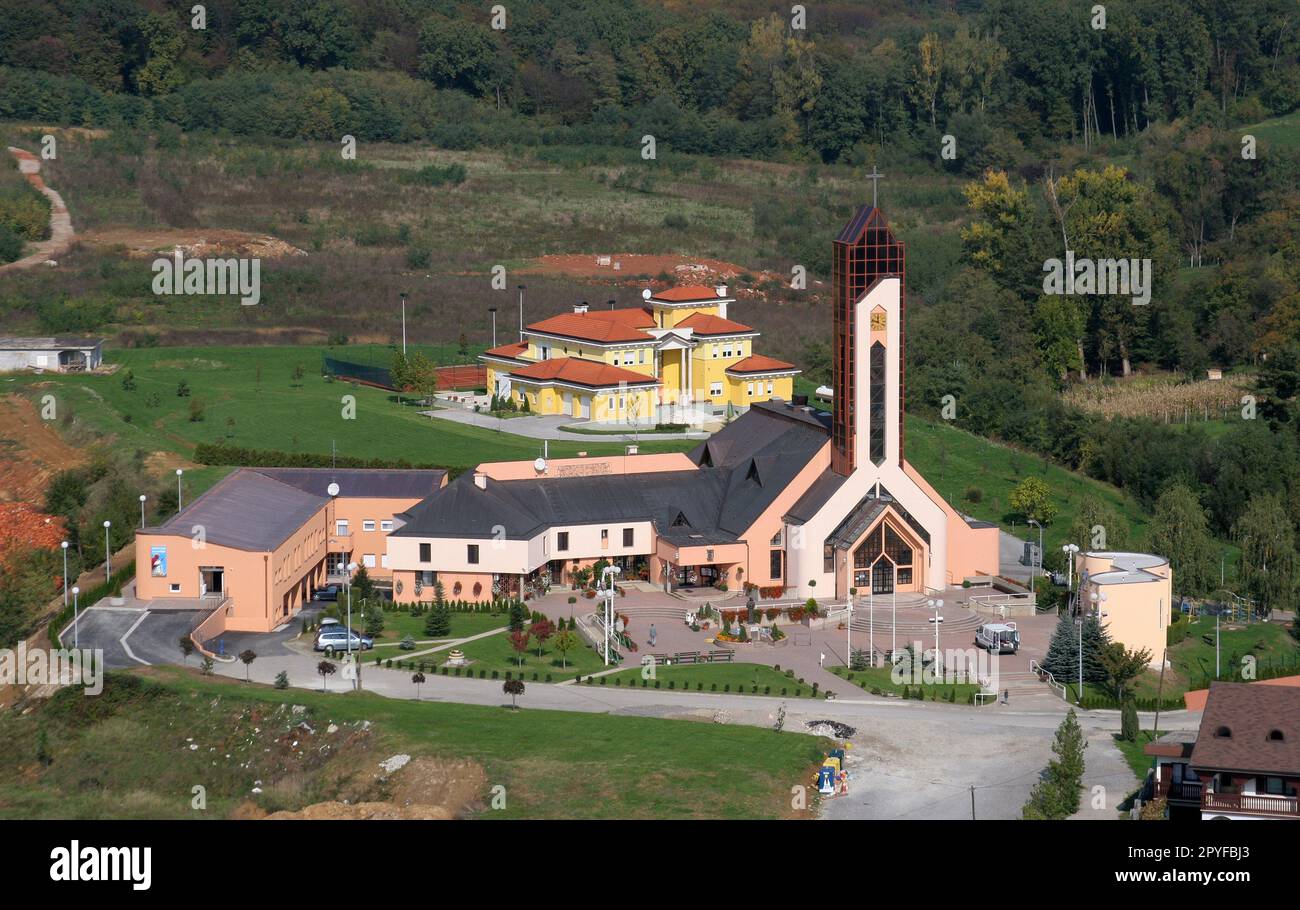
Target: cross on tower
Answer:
[[874, 177]]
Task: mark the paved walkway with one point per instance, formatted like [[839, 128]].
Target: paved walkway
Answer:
[[61, 233], [548, 427]]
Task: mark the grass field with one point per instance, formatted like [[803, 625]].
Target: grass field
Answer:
[[398, 625], [1192, 660], [739, 678], [126, 754], [1282, 131], [954, 460], [495, 653], [251, 397], [881, 679]]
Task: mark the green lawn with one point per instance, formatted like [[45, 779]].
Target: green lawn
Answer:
[[881, 678], [251, 398], [1192, 660], [1139, 761], [398, 625], [495, 654], [125, 754], [741, 678]]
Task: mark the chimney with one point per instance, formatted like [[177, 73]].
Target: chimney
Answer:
[[721, 290], [480, 480], [580, 309]]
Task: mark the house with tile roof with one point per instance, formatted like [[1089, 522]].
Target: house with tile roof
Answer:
[[679, 350], [1244, 761]]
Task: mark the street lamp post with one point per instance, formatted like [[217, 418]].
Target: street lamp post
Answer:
[[1069, 550], [606, 588], [403, 296], [179, 505], [142, 499], [108, 556], [1097, 599], [347, 583], [936, 606], [75, 639], [1035, 523], [64, 547], [493, 311], [521, 312]]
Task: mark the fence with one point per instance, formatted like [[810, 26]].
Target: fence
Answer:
[[361, 372]]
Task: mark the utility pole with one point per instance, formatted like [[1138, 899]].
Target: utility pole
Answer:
[[972, 802]]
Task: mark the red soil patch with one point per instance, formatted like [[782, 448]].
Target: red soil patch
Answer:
[[23, 526], [31, 451], [684, 269]]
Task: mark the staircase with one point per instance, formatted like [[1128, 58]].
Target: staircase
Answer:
[[911, 622]]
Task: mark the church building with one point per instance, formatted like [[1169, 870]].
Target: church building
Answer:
[[785, 498]]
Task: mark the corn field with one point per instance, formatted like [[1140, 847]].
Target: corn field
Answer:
[[1165, 398]]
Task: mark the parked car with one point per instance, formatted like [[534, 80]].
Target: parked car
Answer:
[[329, 592], [335, 638]]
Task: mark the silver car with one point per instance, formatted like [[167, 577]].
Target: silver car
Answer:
[[334, 637]]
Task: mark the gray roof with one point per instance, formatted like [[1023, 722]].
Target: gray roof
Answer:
[[816, 496], [47, 343], [377, 483], [743, 468], [246, 510]]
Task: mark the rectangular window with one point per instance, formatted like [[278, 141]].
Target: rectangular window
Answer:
[[562, 541], [726, 350], [386, 525], [471, 554], [876, 404], [368, 560], [628, 537], [828, 558], [716, 390], [749, 389], [341, 528], [176, 589], [715, 352], [769, 387], [383, 560], [368, 524], [774, 569], [426, 553], [604, 534]]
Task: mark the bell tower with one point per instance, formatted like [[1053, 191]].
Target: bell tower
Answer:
[[865, 252]]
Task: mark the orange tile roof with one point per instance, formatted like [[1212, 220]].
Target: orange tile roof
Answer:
[[704, 324], [590, 327], [757, 363], [687, 293], [512, 350], [581, 372]]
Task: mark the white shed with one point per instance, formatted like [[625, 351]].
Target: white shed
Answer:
[[60, 353]]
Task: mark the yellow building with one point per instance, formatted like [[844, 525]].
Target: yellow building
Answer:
[[677, 350]]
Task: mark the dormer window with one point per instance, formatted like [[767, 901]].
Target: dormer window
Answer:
[[1222, 733], [1276, 736]]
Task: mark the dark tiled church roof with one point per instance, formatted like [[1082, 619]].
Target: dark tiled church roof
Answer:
[[743, 468]]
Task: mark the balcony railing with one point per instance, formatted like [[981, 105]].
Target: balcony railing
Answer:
[[1252, 804], [1186, 791]]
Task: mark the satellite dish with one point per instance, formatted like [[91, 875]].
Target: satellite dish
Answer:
[[332, 489], [540, 465], [646, 294]]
